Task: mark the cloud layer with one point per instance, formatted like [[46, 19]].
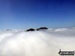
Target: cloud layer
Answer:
[[37, 43]]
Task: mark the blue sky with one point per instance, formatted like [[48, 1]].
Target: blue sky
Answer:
[[36, 13]]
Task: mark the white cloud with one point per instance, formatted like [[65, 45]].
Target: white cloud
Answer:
[[38, 43]]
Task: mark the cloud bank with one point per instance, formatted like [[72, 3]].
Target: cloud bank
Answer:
[[37, 43]]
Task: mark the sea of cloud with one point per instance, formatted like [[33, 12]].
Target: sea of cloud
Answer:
[[36, 43]]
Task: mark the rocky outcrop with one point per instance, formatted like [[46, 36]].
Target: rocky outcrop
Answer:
[[42, 28], [31, 29]]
